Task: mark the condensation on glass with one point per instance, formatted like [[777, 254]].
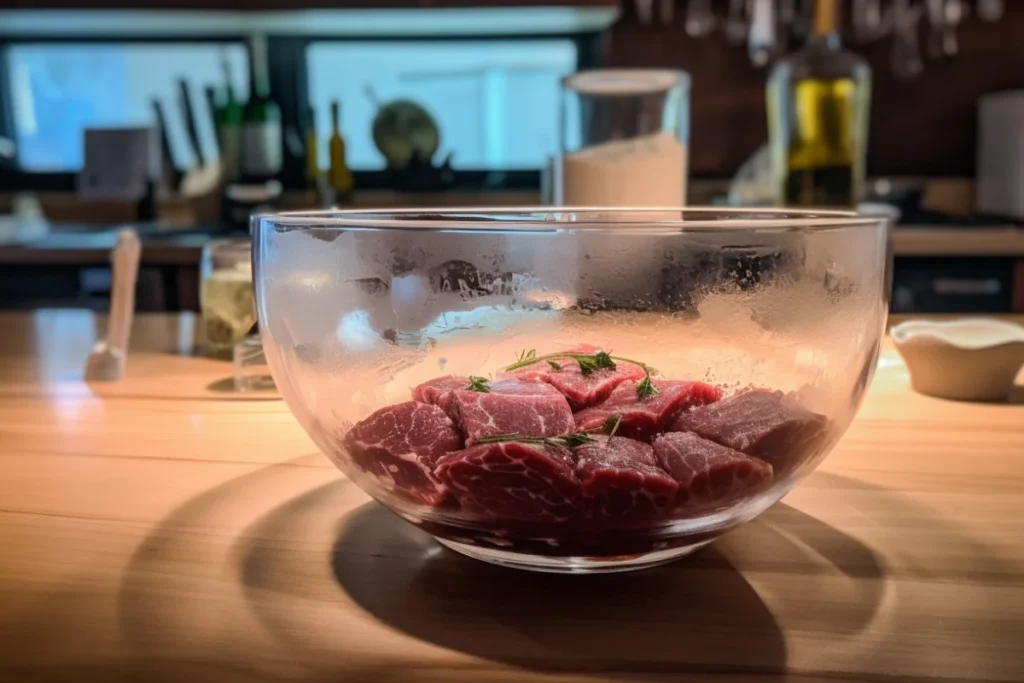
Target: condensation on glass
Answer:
[[357, 309]]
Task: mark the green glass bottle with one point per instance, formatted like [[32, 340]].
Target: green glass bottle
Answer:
[[262, 147], [228, 120]]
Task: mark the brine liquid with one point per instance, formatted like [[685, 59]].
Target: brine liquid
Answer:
[[229, 309]]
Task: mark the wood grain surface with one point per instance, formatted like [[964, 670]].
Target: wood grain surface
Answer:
[[160, 530]]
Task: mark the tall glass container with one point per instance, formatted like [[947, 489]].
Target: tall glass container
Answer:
[[226, 295], [625, 136]]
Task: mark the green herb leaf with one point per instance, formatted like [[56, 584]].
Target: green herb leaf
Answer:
[[576, 440], [568, 441], [554, 365], [479, 384], [587, 367], [524, 355], [611, 425], [645, 389], [604, 361]]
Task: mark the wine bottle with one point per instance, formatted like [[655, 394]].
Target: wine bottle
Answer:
[[341, 177], [312, 151], [262, 144], [818, 101], [228, 121]]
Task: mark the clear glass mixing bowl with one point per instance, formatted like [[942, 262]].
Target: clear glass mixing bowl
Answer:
[[573, 389]]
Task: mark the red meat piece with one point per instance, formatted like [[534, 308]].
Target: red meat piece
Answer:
[[766, 424], [643, 419], [440, 391], [622, 482], [513, 481], [512, 406], [400, 444], [709, 475], [583, 391]]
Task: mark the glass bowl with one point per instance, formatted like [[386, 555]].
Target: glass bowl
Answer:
[[573, 390]]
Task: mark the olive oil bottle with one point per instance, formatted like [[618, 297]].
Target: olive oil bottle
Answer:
[[818, 102]]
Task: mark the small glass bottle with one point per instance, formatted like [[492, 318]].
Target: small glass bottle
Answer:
[[340, 174], [818, 103]]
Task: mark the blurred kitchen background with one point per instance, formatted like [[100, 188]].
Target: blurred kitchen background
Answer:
[[180, 118]]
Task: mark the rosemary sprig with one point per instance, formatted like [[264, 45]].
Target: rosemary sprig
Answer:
[[589, 362], [479, 384], [574, 440], [611, 425], [645, 389], [525, 355], [568, 441]]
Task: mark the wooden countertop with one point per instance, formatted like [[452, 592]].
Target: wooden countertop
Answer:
[[162, 530]]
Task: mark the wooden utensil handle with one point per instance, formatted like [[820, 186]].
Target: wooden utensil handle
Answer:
[[122, 296]]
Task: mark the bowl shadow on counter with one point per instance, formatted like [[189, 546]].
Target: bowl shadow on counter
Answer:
[[699, 614]]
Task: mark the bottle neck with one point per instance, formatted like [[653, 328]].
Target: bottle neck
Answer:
[[259, 79], [825, 30], [335, 118]]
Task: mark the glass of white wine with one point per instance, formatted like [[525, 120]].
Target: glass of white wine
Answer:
[[226, 295]]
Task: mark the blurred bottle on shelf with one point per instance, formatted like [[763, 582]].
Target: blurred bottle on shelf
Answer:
[[818, 101], [262, 140], [312, 155], [341, 177], [227, 117]]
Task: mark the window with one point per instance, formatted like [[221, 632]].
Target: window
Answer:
[[60, 89], [496, 102]]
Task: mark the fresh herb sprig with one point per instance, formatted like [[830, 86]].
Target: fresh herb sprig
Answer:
[[589, 364], [479, 384], [645, 389], [568, 441], [611, 425], [574, 440]]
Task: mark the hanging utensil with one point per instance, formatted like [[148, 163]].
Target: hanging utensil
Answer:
[[735, 26], [991, 10], [906, 54], [803, 18], [936, 27], [870, 20], [761, 41], [667, 11], [645, 11], [953, 13], [700, 20], [786, 15]]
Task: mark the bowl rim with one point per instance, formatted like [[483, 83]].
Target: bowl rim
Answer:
[[557, 218]]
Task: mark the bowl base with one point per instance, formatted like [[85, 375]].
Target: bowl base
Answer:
[[572, 565]]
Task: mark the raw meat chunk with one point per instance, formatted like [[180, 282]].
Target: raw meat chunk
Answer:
[[643, 419], [709, 475], [622, 482], [540, 370], [512, 406], [583, 391], [400, 445], [513, 481], [440, 391], [767, 424]]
